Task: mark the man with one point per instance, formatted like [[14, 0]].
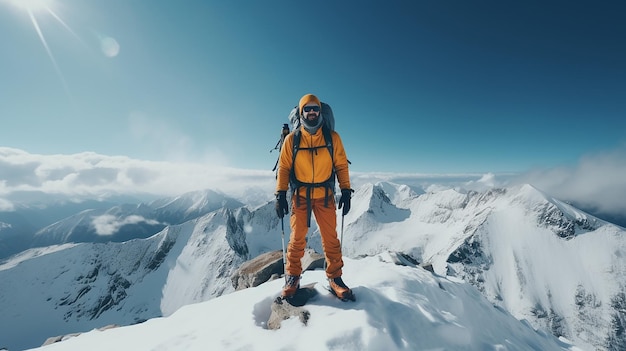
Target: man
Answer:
[[311, 174]]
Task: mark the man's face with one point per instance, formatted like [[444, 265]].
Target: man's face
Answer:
[[311, 111]]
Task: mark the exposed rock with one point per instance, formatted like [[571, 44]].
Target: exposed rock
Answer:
[[269, 266], [283, 309], [161, 254], [56, 339], [258, 270], [428, 266], [236, 236], [402, 259], [312, 260], [470, 262]]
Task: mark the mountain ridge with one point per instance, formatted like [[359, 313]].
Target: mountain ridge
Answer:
[[501, 241]]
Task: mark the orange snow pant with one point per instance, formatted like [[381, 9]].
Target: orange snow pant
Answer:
[[326, 219]]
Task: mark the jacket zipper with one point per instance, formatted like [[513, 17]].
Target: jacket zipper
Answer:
[[312, 160]]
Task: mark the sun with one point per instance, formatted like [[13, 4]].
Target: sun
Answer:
[[34, 8]]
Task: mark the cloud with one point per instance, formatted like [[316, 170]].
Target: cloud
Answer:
[[109, 224], [597, 181], [18, 173], [436, 182], [6, 206], [89, 175], [487, 181]]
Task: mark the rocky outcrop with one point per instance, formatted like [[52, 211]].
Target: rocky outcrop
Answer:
[[283, 309], [258, 270], [269, 266], [56, 339]]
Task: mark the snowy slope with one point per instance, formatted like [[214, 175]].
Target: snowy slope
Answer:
[[77, 287], [398, 308], [540, 259]]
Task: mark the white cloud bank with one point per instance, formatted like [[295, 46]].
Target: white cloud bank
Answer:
[[90, 175], [597, 180], [109, 224]]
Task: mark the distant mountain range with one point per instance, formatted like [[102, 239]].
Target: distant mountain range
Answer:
[[539, 258], [94, 221]]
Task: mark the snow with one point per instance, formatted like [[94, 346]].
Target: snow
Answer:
[[524, 274], [32, 253], [397, 308]]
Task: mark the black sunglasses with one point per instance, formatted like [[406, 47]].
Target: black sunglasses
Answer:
[[311, 108]]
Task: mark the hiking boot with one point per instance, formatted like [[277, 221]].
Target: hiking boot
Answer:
[[339, 289], [292, 283]]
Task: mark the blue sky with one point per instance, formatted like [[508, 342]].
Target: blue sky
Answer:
[[416, 86]]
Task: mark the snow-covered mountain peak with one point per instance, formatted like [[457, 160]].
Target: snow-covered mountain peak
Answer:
[[563, 219], [372, 204], [192, 204], [193, 200], [399, 194]]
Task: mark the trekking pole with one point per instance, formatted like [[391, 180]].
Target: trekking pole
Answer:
[[282, 224], [341, 242]]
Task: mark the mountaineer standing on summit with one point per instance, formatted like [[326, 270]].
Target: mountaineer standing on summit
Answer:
[[310, 168]]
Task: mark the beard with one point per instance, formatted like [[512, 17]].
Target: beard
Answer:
[[311, 125], [311, 122]]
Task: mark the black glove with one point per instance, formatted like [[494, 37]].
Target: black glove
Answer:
[[344, 201], [282, 208]]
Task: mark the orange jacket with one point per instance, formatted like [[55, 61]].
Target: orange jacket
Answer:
[[312, 166]]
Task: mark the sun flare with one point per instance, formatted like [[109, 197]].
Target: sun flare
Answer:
[[34, 9]]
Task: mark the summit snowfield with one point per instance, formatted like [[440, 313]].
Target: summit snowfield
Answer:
[[506, 262], [397, 308]]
